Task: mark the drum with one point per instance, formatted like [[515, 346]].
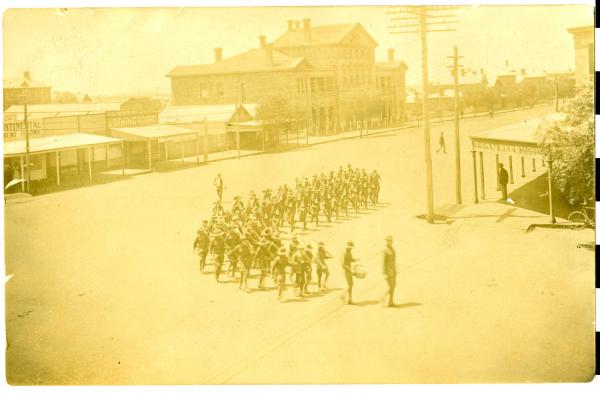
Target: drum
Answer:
[[359, 271]]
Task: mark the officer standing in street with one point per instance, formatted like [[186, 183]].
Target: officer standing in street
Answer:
[[347, 265], [389, 269], [219, 186]]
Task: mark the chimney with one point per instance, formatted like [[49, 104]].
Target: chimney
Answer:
[[506, 62], [263, 40], [218, 54], [290, 25], [26, 75], [306, 30], [269, 55], [390, 54]]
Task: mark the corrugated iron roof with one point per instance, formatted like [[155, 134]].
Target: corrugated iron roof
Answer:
[[196, 113], [253, 60], [523, 132], [41, 111], [55, 143], [156, 131]]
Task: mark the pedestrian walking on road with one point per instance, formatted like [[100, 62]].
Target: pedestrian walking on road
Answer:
[[219, 186], [442, 143], [347, 265], [389, 269], [503, 181]]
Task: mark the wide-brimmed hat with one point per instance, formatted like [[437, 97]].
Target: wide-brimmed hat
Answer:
[[350, 244], [389, 237], [281, 251]]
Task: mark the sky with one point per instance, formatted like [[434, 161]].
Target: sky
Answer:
[[127, 50]]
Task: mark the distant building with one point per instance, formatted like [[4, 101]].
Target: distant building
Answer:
[[583, 39], [318, 68], [15, 89]]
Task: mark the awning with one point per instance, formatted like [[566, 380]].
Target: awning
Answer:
[[56, 143], [520, 138], [161, 132]]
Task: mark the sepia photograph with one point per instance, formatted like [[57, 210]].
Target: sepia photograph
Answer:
[[282, 195]]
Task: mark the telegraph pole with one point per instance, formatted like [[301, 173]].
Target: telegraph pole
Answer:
[[418, 19], [455, 67], [556, 92], [27, 163]]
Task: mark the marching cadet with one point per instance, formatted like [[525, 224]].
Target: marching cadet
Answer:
[[297, 262], [202, 244], [232, 240], [245, 251], [217, 247], [261, 260], [279, 265], [322, 268], [389, 268], [347, 262]]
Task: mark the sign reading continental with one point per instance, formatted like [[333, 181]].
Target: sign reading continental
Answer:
[[14, 129]]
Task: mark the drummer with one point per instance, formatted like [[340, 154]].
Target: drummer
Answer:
[[347, 265]]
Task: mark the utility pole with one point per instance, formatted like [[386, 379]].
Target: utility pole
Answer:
[[27, 162], [556, 92], [455, 67], [418, 19]]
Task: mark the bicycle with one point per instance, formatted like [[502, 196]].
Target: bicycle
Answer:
[[581, 216]]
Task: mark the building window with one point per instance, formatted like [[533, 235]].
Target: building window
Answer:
[[220, 91]]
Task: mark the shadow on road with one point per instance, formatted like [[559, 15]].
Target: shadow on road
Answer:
[[406, 305], [534, 196]]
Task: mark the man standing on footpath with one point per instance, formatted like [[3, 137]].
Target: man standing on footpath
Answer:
[[503, 181], [442, 143], [389, 269]]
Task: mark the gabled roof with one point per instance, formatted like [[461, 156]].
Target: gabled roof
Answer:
[[253, 60], [322, 35], [390, 65], [17, 83]]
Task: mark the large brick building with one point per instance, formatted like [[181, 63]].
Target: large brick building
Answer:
[[16, 90], [583, 39], [322, 70]]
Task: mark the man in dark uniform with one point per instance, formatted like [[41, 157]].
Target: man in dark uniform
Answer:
[[503, 181], [297, 262], [279, 265], [217, 247], [201, 244], [347, 265], [442, 143], [389, 269], [262, 259]]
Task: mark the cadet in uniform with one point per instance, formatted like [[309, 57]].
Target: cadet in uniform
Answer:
[[217, 247], [201, 244], [279, 266], [389, 268]]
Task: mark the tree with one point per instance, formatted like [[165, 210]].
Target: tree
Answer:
[[570, 144], [276, 115]]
